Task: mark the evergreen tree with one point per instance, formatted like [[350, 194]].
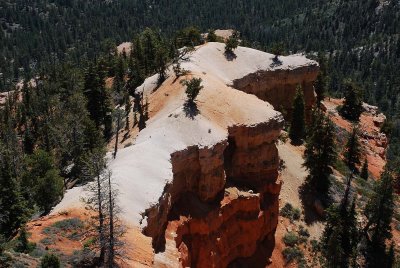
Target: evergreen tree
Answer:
[[41, 181], [193, 88], [352, 106], [94, 95], [341, 227], [231, 44], [277, 49], [49, 190], [99, 101], [128, 107], [188, 37], [334, 252], [320, 83], [379, 213], [13, 208], [320, 152], [118, 115], [140, 108], [23, 244], [391, 257], [352, 152], [161, 63], [297, 126], [211, 36], [364, 170]]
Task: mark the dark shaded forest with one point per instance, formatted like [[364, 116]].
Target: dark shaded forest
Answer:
[[360, 38]]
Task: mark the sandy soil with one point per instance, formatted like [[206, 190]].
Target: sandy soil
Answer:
[[293, 175]]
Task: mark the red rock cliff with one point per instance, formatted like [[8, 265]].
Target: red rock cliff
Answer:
[[222, 205]]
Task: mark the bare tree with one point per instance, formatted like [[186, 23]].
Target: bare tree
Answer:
[[116, 229], [181, 55], [96, 198], [102, 200]]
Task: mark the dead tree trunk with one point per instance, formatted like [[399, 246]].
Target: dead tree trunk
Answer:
[[111, 249]]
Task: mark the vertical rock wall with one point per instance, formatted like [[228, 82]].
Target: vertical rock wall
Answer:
[[278, 87], [222, 204]]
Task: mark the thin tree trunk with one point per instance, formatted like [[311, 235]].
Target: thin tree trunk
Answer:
[[111, 212], [116, 136], [101, 221]]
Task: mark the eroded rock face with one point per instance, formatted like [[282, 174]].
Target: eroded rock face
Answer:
[[197, 171], [222, 204], [278, 87]]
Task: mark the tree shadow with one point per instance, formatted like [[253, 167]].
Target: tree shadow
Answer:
[[313, 203], [190, 109], [297, 142], [230, 55], [275, 62]]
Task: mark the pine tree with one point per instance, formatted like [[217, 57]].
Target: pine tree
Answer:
[[193, 88], [320, 152], [161, 63], [118, 115], [231, 44], [352, 106], [297, 126], [139, 107], [320, 83], [99, 102], [41, 180], [211, 36], [364, 170], [128, 107], [379, 213], [13, 207], [277, 49], [391, 256], [23, 244], [341, 227], [352, 152], [334, 252]]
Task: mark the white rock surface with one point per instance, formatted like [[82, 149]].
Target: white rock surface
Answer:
[[141, 171]]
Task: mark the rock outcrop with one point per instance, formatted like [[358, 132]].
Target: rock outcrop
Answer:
[[204, 184], [222, 203], [278, 87]]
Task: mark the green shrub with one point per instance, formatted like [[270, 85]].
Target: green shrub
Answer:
[[303, 231], [50, 261], [48, 241], [22, 243], [288, 211], [68, 224], [290, 239], [69, 228], [292, 254]]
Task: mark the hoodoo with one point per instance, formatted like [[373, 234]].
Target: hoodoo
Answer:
[[204, 184]]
